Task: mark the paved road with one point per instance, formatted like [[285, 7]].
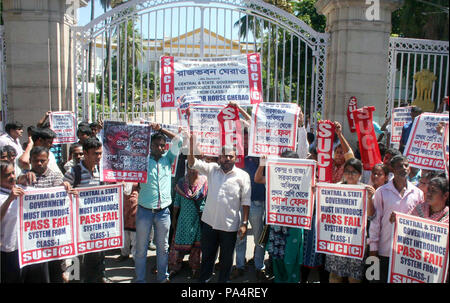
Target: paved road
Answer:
[[123, 272]]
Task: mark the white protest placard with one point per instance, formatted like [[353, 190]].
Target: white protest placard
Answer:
[[273, 129], [64, 124], [211, 79], [341, 217], [46, 228], [205, 127], [99, 218], [400, 116], [424, 146], [289, 196], [419, 251]]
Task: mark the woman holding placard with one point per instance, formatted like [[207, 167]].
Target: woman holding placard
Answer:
[[285, 244], [435, 207], [345, 267]]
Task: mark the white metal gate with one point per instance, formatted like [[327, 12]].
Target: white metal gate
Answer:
[[3, 95], [409, 56], [129, 40]]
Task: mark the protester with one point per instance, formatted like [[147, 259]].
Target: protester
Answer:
[[388, 155], [9, 192], [86, 174], [378, 178], [154, 201], [397, 195], [342, 153], [75, 156], [41, 176], [425, 179], [256, 218], [406, 130], [312, 259], [40, 137], [83, 133], [13, 132], [228, 191], [9, 153], [344, 267], [130, 203], [190, 197], [96, 127], [435, 207], [285, 244]]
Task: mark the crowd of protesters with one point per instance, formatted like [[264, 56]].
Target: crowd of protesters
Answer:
[[206, 210]]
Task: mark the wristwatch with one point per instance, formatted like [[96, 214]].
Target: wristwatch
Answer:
[[245, 223]]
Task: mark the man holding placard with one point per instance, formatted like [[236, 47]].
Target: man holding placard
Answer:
[[229, 190], [153, 204], [41, 176], [398, 195], [87, 174]]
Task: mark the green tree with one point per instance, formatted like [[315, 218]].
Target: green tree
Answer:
[[422, 19]]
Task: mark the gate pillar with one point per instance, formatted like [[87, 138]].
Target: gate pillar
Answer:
[[37, 35], [357, 62]]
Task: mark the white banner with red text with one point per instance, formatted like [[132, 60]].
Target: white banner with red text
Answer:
[[400, 116], [55, 225], [289, 195], [211, 79], [273, 129], [341, 217], [64, 124], [45, 226], [424, 147], [419, 251]]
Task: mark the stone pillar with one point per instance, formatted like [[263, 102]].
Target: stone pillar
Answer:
[[357, 63], [39, 57]]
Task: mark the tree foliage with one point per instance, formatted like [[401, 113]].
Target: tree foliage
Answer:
[[422, 19]]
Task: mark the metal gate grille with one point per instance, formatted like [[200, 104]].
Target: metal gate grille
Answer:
[[128, 41], [406, 58]]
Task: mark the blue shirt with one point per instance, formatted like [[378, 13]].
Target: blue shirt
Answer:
[[406, 130], [156, 193], [258, 190]]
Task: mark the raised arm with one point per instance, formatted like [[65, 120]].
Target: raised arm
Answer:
[[345, 146], [259, 174]]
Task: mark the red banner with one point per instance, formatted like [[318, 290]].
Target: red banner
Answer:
[[254, 78], [325, 138], [231, 132], [352, 105], [167, 82], [367, 139]]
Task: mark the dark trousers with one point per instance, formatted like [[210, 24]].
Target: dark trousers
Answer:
[[93, 267], [12, 273], [212, 240]]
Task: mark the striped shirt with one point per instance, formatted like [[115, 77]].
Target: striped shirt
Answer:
[[87, 179], [49, 178]]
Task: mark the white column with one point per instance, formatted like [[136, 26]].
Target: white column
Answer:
[[38, 50], [357, 63]]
